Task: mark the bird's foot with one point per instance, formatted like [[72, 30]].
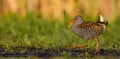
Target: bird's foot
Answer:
[[97, 51], [59, 50]]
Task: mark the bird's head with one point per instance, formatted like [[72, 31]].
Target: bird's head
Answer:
[[75, 21], [101, 21]]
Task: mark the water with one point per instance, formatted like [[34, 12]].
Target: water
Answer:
[[64, 57]]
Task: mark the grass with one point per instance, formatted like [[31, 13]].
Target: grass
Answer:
[[37, 32]]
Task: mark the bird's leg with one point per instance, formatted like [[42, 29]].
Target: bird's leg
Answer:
[[79, 46], [97, 43]]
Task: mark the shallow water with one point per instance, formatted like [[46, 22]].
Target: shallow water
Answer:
[[63, 57]]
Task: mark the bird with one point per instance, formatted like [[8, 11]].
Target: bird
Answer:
[[87, 30]]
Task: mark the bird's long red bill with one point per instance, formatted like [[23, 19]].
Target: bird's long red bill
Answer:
[[69, 24]]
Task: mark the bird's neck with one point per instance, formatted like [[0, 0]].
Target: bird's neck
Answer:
[[75, 28]]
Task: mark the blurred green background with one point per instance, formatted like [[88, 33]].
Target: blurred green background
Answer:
[[42, 23]]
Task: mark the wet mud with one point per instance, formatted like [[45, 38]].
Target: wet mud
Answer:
[[32, 51]]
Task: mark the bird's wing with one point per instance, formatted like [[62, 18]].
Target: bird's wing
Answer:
[[92, 28]]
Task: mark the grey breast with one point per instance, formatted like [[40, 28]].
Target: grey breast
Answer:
[[85, 33]]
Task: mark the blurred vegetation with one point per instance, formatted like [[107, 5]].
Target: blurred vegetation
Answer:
[[55, 9], [34, 31]]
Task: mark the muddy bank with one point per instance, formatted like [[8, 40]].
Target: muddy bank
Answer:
[[32, 51]]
